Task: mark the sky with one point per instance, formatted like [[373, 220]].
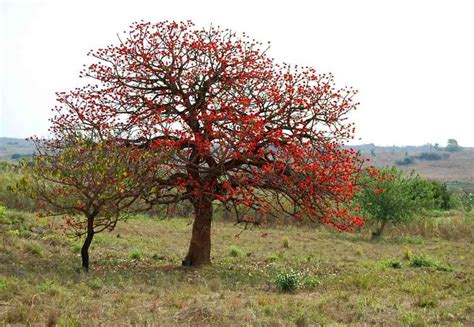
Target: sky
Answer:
[[412, 61]]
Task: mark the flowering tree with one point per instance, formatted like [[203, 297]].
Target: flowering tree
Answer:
[[89, 182], [243, 130]]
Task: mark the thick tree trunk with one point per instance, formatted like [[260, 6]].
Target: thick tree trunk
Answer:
[[87, 243], [199, 252]]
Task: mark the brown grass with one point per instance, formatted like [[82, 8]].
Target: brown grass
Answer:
[[355, 285]]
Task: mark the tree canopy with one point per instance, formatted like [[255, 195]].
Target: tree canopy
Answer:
[[243, 130]]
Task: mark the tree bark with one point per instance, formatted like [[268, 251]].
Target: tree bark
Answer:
[[87, 243], [199, 252], [378, 233]]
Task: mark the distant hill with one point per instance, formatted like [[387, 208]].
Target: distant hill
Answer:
[[14, 149], [454, 168]]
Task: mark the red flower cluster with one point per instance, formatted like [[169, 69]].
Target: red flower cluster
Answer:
[[235, 126]]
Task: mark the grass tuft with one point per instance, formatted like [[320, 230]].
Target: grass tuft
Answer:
[[235, 251], [136, 254], [420, 261]]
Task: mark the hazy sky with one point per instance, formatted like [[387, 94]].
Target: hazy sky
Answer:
[[412, 61]]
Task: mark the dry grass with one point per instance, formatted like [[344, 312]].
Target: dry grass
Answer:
[[40, 283]]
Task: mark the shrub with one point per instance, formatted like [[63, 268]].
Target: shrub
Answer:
[[387, 196], [394, 264], [235, 251], [288, 281], [311, 282], [419, 261], [432, 156], [467, 201], [136, 254], [405, 162], [441, 196], [286, 242], [10, 175]]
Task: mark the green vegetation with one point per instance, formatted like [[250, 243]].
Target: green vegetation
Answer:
[[136, 254], [424, 261], [453, 146], [286, 242], [9, 177], [428, 156], [235, 251], [405, 162], [432, 156], [388, 196], [288, 281]]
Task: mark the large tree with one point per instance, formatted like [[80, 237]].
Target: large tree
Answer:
[[255, 135]]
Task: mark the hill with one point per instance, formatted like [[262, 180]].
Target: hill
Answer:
[[14, 149], [454, 168]]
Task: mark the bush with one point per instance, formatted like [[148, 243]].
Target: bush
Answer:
[[136, 254], [387, 196], [10, 176], [467, 201], [405, 162], [311, 282], [420, 261], [235, 251], [441, 195], [288, 281], [432, 156]]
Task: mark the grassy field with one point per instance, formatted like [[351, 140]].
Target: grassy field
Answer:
[[415, 276]]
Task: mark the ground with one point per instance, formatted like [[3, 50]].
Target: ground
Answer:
[[136, 275]]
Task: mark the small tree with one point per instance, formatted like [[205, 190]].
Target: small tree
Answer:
[[453, 146], [387, 196], [78, 177]]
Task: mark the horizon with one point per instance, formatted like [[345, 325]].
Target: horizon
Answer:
[[414, 79], [345, 144]]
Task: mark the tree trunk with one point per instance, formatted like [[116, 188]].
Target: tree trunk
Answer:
[[378, 233], [87, 243], [199, 252]]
